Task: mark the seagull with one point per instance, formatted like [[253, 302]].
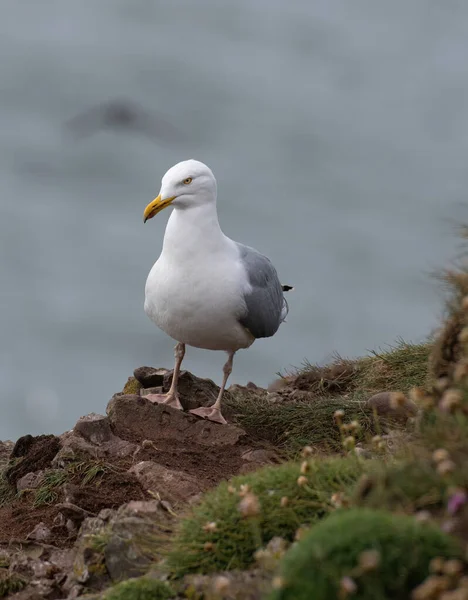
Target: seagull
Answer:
[[206, 290]]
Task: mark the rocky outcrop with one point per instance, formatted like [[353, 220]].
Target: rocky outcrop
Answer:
[[96, 505]]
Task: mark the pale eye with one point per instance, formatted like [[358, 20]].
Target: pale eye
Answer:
[[188, 180]]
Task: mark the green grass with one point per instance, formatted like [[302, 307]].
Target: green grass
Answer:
[[340, 385], [401, 548], [141, 588], [292, 425], [81, 472], [10, 583], [47, 493], [236, 538]]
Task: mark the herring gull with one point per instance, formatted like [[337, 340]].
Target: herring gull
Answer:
[[207, 290]]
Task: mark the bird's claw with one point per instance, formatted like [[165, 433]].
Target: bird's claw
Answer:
[[209, 413], [171, 400]]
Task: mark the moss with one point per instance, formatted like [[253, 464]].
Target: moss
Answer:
[[132, 386], [10, 583], [403, 549], [141, 588], [234, 540]]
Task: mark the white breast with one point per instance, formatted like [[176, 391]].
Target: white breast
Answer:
[[196, 297]]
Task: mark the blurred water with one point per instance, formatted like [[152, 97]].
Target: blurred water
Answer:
[[337, 130]]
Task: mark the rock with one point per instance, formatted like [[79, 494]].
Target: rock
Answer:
[[149, 376], [232, 585], [30, 481], [256, 459], [94, 428], [134, 542], [36, 454], [121, 546], [40, 533], [392, 405], [151, 390], [133, 417], [261, 456], [74, 513], [175, 486], [193, 391], [88, 567], [92, 436]]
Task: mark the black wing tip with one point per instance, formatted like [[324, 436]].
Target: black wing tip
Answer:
[[287, 288]]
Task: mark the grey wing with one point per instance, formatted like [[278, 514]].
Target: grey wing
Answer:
[[266, 306]]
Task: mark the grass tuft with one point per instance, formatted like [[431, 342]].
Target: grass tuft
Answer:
[[242, 515], [371, 554]]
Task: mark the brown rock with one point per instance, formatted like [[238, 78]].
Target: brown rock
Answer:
[[175, 486], [36, 453], [193, 391], [94, 428], [74, 513], [30, 481], [40, 533], [135, 418], [393, 405], [149, 376], [92, 436], [261, 456]]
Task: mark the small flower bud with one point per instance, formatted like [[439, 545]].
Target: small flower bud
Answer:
[[305, 467], [369, 560], [347, 586], [277, 582], [284, 501], [301, 481], [249, 506], [208, 546], [440, 454], [210, 527], [450, 401], [453, 567], [244, 489], [339, 414], [397, 400], [221, 584], [445, 467], [349, 442], [307, 451]]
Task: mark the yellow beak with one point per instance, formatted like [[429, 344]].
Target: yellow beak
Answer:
[[156, 206]]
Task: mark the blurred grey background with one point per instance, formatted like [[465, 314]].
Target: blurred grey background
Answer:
[[337, 130]]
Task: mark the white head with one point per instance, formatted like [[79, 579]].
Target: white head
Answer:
[[187, 184]]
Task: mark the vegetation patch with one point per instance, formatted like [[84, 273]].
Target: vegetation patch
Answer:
[[141, 588], [364, 554], [242, 515]]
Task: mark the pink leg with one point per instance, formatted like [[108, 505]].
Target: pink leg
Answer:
[[213, 413], [172, 397]]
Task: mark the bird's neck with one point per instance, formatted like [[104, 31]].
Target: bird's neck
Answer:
[[193, 230]]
